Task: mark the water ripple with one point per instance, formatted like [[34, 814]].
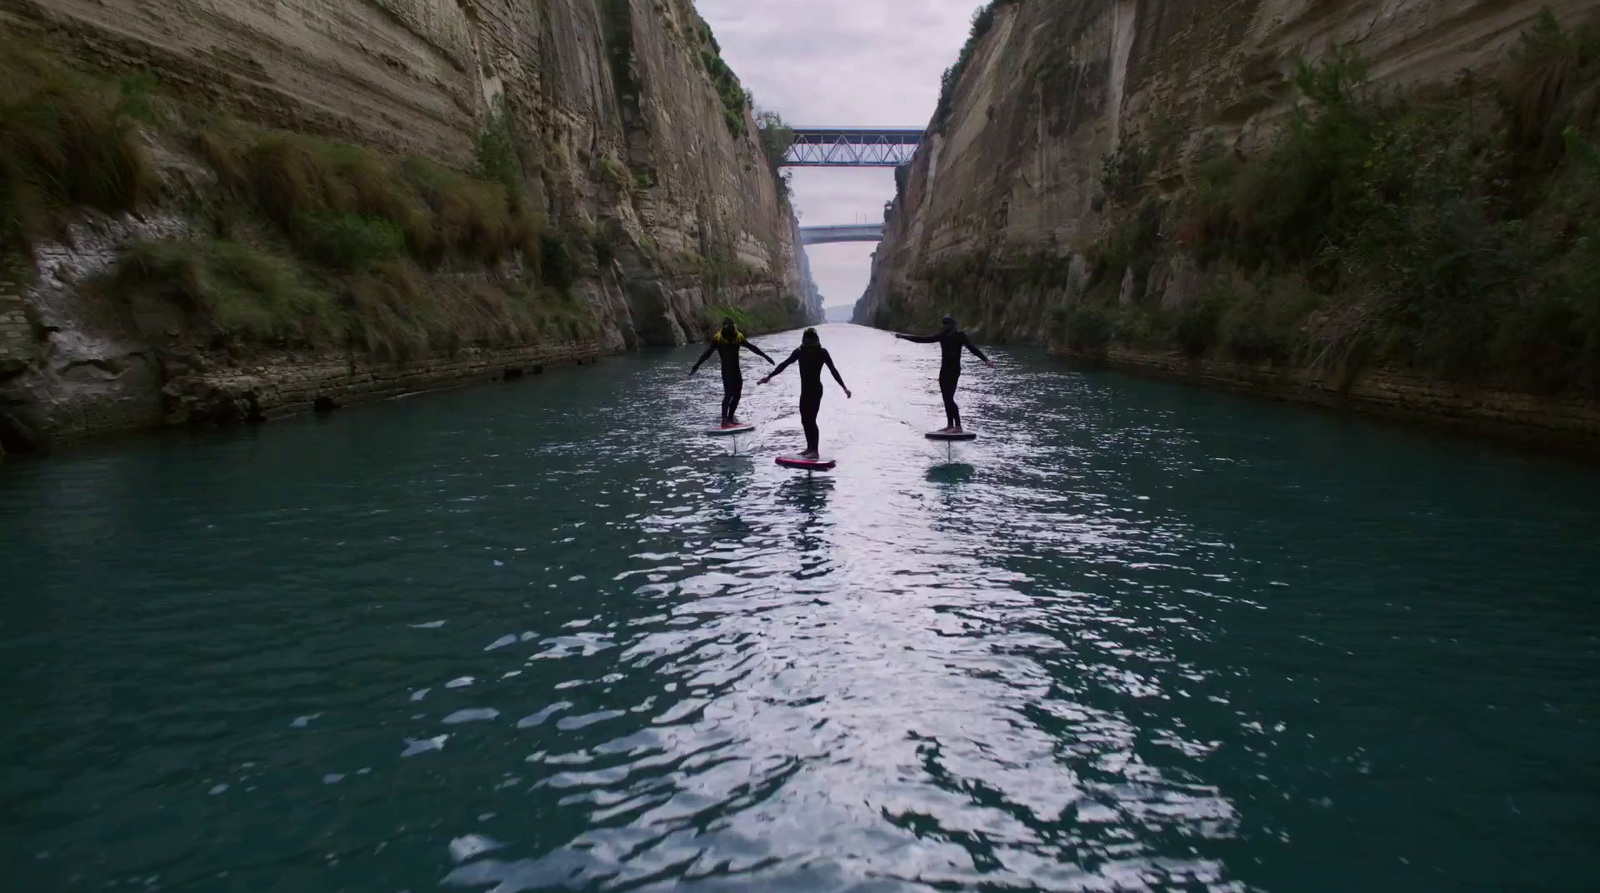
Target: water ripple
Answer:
[[1136, 638]]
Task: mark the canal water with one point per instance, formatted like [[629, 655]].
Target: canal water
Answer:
[[542, 636]]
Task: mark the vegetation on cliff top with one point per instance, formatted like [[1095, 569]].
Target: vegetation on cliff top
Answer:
[[1456, 237], [736, 101], [982, 23], [777, 138]]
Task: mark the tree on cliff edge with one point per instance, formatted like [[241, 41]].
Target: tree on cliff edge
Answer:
[[777, 137]]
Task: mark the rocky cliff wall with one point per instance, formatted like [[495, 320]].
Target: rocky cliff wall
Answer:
[[632, 140], [1010, 209], [1053, 89]]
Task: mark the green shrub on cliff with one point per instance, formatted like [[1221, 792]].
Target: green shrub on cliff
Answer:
[[766, 318], [1085, 328], [615, 174], [137, 97], [65, 142], [349, 241], [497, 152], [1133, 243], [777, 138], [243, 292], [557, 266], [735, 100], [1123, 173], [603, 243]]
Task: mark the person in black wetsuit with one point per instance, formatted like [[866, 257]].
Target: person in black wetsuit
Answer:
[[726, 344], [951, 341], [812, 357]]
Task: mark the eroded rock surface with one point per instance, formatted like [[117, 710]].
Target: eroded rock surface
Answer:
[[618, 125]]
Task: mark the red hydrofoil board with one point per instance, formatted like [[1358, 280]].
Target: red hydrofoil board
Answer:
[[806, 464], [946, 435], [729, 431]]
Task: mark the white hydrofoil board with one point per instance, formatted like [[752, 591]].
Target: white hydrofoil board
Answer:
[[730, 431]]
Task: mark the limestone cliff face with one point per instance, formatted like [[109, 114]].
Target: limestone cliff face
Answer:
[[617, 114], [1054, 88]]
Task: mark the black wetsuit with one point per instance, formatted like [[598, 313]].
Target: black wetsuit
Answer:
[[732, 377], [811, 360], [951, 344]]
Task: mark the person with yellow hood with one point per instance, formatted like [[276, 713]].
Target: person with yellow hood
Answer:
[[726, 344]]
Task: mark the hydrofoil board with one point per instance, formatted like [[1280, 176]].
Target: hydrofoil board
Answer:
[[729, 431], [804, 464], [949, 436]]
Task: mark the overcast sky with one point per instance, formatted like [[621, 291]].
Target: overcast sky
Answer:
[[838, 62]]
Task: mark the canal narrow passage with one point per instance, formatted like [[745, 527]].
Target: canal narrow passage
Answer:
[[542, 635]]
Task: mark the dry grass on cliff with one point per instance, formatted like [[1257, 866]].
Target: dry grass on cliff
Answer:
[[231, 290], [65, 143], [351, 207], [394, 312], [253, 296], [1554, 84]]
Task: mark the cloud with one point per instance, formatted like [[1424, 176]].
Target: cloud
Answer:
[[841, 62]]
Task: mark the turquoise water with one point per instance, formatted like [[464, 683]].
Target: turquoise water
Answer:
[[541, 636]]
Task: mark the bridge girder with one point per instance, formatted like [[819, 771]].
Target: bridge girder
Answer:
[[853, 146], [828, 235]]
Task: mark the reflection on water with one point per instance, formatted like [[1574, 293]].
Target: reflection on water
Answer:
[[1136, 638], [951, 473], [807, 493]]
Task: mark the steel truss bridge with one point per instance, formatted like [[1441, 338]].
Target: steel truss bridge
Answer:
[[853, 146], [827, 235]]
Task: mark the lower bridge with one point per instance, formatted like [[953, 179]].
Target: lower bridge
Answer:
[[825, 235]]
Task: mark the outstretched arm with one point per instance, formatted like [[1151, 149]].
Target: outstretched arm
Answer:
[[828, 358], [710, 349], [975, 351], [759, 352], [918, 339], [781, 366]]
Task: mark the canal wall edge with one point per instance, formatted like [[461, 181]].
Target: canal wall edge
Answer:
[[274, 390], [1564, 424]]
